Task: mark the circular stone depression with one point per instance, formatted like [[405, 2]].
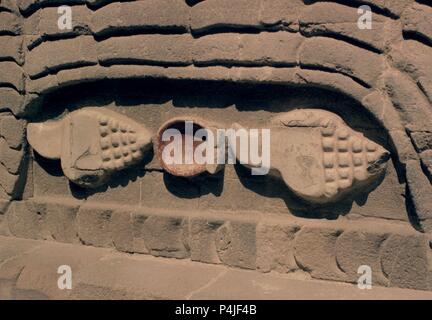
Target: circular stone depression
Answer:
[[182, 170]]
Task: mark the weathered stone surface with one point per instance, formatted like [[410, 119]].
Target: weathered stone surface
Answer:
[[61, 219], [393, 7], [422, 140], [403, 146], [419, 187], [341, 57], [382, 109], [315, 252], [8, 183], [413, 58], [32, 5], [404, 261], [13, 160], [13, 131], [202, 240], [275, 247], [426, 159], [102, 274], [9, 5], [146, 49], [12, 75], [10, 158], [44, 281], [333, 19], [228, 62], [413, 107], [418, 19], [355, 249], [52, 56], [10, 23], [278, 49], [26, 219], [236, 244], [211, 15], [12, 49], [138, 232], [208, 14], [121, 229], [141, 15], [182, 194], [94, 225], [43, 26], [165, 236], [11, 101]]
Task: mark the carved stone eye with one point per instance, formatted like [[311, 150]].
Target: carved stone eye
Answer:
[[91, 143], [327, 159]]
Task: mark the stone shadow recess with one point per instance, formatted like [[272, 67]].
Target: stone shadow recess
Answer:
[[151, 102]]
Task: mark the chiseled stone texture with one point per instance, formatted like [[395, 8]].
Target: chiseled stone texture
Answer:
[[275, 247], [244, 60], [28, 270], [398, 256]]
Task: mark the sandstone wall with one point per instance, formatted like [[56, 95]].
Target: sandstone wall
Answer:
[[226, 61]]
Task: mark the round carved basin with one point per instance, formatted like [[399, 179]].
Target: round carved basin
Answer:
[[186, 128]]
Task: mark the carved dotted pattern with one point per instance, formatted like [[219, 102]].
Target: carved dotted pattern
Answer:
[[346, 157], [118, 142]]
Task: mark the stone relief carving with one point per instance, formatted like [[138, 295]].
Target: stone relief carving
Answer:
[[314, 151], [320, 158], [91, 143], [186, 170], [386, 71]]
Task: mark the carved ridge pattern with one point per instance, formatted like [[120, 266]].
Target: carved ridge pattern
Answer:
[[118, 142], [14, 101], [345, 158], [320, 252], [253, 42]]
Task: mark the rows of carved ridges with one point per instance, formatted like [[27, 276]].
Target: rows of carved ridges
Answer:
[[410, 90], [12, 159], [397, 254], [405, 102], [377, 103], [318, 18], [311, 14], [12, 89], [346, 157], [280, 49], [12, 76], [393, 7]]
